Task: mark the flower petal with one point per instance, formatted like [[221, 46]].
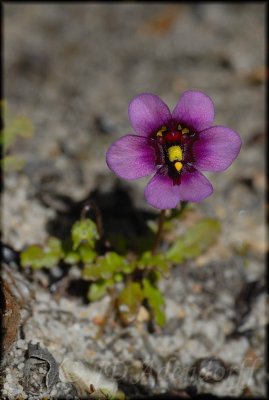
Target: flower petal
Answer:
[[194, 186], [148, 113], [195, 110], [160, 192], [131, 157], [216, 148]]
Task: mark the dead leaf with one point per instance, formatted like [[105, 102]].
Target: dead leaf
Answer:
[[11, 317]]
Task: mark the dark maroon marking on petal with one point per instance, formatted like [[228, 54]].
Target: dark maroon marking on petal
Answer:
[[173, 138], [177, 180], [159, 150]]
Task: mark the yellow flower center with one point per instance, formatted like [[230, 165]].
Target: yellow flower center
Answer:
[[175, 153]]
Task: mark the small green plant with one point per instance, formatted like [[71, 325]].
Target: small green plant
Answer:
[[14, 127], [130, 280]]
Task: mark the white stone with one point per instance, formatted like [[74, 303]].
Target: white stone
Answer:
[[9, 378], [19, 352], [53, 393], [21, 344], [35, 341]]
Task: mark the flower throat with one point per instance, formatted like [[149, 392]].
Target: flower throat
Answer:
[[171, 147]]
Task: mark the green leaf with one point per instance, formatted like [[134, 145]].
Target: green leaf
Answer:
[[155, 300], [129, 301], [54, 246], [195, 240], [118, 277], [84, 231], [105, 266], [12, 163], [87, 254], [71, 257], [32, 256], [156, 261], [92, 272], [128, 267], [98, 289], [36, 257], [112, 262], [53, 252]]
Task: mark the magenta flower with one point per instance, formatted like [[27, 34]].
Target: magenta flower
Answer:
[[176, 146]]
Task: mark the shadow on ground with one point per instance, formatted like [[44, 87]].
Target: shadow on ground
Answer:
[[125, 226]]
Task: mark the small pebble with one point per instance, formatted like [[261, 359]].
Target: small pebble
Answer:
[[43, 297], [53, 392], [35, 341], [21, 366], [56, 272], [21, 344]]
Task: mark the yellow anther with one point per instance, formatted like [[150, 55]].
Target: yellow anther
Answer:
[[160, 132], [185, 130], [174, 153], [179, 127], [178, 166]]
